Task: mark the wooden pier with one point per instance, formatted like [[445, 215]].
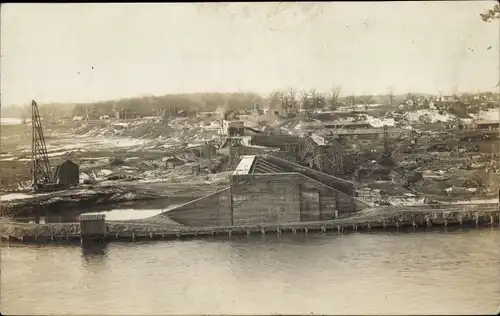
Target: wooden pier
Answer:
[[404, 219]]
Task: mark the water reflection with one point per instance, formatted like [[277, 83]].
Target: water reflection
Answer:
[[94, 251]]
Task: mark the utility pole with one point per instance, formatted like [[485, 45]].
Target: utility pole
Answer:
[[230, 154], [498, 142], [86, 112]]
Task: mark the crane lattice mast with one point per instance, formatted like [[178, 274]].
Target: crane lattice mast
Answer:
[[41, 171]]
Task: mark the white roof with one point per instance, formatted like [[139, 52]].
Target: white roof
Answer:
[[244, 165], [318, 140]]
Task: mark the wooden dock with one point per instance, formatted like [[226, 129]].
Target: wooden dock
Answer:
[[404, 219]]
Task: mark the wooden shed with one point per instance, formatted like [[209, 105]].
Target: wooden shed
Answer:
[[92, 225], [68, 174], [206, 151]]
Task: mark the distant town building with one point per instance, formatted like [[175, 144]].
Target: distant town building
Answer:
[[447, 99]]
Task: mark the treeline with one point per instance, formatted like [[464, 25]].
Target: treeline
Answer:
[[189, 103], [311, 99], [144, 106], [192, 103], [305, 99]]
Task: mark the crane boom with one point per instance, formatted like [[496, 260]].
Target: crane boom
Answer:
[[41, 172]]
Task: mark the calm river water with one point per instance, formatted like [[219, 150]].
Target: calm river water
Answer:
[[379, 273]]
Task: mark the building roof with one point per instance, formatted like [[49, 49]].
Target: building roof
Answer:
[[485, 122], [68, 162], [245, 164], [319, 140]]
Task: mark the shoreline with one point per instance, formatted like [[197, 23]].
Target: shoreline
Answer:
[[162, 228]]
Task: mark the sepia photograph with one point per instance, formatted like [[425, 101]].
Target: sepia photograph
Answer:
[[250, 158]]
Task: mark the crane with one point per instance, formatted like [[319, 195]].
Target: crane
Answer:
[[41, 172], [42, 176]]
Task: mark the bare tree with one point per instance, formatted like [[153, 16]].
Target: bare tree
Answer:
[[314, 97], [292, 99], [304, 98], [274, 99], [367, 100], [283, 100], [333, 99], [321, 100]]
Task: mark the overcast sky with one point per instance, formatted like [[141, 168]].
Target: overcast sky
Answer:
[[88, 52]]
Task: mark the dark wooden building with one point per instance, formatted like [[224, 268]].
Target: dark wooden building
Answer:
[[68, 174], [206, 151], [236, 129]]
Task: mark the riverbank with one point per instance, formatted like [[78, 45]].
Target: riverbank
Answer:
[[162, 227]]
